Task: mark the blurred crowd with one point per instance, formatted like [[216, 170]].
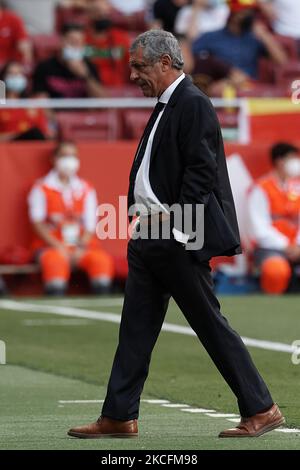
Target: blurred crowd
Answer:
[[80, 48]]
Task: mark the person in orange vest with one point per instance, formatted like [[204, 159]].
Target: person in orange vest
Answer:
[[274, 210], [62, 210]]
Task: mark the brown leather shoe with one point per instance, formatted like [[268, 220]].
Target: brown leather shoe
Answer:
[[257, 425], [106, 427]]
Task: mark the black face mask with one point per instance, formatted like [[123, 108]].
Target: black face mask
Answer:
[[102, 25], [247, 23]]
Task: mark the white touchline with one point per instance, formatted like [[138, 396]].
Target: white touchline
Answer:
[[175, 405], [210, 413], [57, 322], [79, 402], [66, 402], [116, 318], [156, 402], [89, 302], [288, 430], [197, 410]]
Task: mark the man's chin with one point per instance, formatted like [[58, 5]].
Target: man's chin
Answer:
[[148, 93]]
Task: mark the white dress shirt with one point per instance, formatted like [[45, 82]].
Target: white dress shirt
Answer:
[[145, 199]]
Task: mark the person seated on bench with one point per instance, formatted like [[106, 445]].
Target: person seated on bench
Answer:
[[62, 210], [274, 210]]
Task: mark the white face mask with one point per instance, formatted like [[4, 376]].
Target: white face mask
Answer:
[[16, 83], [68, 165], [73, 53], [292, 167]]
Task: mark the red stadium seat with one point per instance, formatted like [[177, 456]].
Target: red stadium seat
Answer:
[[92, 125], [135, 122], [134, 22], [286, 74], [265, 70], [267, 67], [263, 90], [289, 45], [65, 15], [45, 45]]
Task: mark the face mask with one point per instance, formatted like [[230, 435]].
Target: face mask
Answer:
[[73, 53], [68, 165], [247, 22], [17, 83], [292, 167], [102, 25]]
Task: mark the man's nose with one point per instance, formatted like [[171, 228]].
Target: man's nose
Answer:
[[133, 75]]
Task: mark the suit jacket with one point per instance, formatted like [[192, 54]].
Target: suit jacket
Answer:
[[188, 166]]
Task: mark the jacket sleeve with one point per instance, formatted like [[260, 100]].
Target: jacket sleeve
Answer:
[[198, 147], [199, 142]]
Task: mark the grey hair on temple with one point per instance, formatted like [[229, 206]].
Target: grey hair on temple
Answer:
[[156, 43]]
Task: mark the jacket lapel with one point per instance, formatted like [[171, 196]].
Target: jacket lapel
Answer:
[[166, 115]]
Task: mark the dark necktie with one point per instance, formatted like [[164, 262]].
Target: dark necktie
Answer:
[[141, 150]]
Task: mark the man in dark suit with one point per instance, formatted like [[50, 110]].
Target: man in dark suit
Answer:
[[180, 161]]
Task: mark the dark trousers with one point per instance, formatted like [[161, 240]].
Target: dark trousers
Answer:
[[159, 269]]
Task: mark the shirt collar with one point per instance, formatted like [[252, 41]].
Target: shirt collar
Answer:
[[164, 98]]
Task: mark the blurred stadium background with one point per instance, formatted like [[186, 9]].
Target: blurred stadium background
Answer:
[[57, 352]]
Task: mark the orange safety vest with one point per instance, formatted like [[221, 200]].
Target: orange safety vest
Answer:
[[65, 222], [284, 205]]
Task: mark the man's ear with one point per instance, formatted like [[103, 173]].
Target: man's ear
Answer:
[[166, 62]]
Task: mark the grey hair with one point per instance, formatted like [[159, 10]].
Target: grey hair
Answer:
[[156, 43]]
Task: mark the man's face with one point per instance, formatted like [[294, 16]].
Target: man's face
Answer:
[[146, 75]]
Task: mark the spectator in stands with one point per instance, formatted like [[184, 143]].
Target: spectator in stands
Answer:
[[20, 123], [242, 42], [108, 45], [14, 42], [62, 210], [200, 17], [274, 213], [217, 78], [284, 16], [69, 74], [165, 12]]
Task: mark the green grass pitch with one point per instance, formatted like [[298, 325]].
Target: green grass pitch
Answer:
[[54, 359]]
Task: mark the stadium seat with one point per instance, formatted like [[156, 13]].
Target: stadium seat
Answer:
[[134, 22], [289, 45], [135, 122], [125, 91], [266, 68], [93, 125], [45, 45], [286, 74], [263, 90], [65, 15]]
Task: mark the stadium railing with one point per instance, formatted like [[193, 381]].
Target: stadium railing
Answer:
[[233, 113]]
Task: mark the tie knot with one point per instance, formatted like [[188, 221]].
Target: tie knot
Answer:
[[159, 106]]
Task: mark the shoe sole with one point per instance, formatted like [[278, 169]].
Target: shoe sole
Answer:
[[102, 436], [269, 428]]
